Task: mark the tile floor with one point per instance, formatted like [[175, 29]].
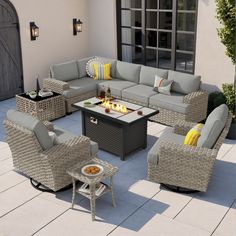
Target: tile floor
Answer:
[[143, 208]]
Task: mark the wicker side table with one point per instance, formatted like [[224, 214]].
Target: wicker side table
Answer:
[[108, 172], [44, 108]]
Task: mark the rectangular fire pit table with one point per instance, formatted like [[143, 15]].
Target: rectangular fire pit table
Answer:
[[115, 132]]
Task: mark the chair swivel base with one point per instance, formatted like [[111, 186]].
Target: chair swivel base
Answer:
[[43, 188], [177, 189]]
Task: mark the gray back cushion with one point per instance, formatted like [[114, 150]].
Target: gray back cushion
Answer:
[[184, 83], [127, 71], [82, 67], [147, 75], [66, 71], [33, 124], [213, 127]]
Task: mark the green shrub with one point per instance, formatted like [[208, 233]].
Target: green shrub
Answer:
[[215, 99], [229, 93]]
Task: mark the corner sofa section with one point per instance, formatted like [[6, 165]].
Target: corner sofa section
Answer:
[[133, 83]]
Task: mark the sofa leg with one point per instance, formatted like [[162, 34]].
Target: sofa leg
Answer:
[[42, 188], [177, 189]]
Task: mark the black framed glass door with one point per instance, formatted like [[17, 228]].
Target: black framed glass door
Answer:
[[157, 33]]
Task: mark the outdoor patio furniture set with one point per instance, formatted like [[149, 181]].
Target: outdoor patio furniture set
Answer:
[[55, 160]]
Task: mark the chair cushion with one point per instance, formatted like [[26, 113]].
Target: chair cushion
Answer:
[[116, 86], [193, 135], [81, 86], [64, 136], [147, 75], [184, 83], [213, 127], [66, 71], [140, 93], [33, 124], [82, 67], [127, 71], [167, 136], [173, 102]]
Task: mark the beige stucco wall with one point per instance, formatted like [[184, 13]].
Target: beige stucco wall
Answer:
[[56, 42], [211, 62], [102, 28]]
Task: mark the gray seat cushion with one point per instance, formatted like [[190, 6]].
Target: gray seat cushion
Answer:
[[82, 67], [167, 136], [127, 71], [81, 86], [147, 75], [173, 102], [184, 83], [116, 86], [140, 93], [64, 136], [29, 122], [65, 72], [213, 127]]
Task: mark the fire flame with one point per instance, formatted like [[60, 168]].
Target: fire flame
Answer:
[[114, 106]]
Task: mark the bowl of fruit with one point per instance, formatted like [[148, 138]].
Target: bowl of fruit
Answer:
[[32, 94], [92, 170]]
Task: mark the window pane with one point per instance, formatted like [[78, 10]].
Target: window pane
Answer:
[[151, 38], [151, 57], [164, 59], [131, 18], [185, 42], [165, 4], [131, 36], [165, 39], [184, 62], [131, 4], [186, 21], [132, 54], [151, 4], [186, 4], [165, 20], [151, 20]]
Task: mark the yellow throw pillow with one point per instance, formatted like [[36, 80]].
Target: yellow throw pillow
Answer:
[[102, 71], [193, 135]]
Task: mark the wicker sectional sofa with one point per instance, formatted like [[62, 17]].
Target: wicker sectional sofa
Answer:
[[134, 83]]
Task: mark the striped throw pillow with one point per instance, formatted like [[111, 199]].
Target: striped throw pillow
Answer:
[[193, 135], [102, 71]]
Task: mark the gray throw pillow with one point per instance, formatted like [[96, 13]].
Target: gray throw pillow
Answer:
[[162, 85]]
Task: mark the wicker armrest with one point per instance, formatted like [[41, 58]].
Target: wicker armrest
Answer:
[[196, 97], [78, 147], [55, 85], [182, 127], [49, 125], [186, 153]]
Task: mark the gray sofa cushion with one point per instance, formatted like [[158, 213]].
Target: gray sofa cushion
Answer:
[[140, 93], [66, 71], [82, 67], [127, 71], [184, 83], [64, 136], [166, 136], [116, 86], [173, 102], [147, 75], [33, 124], [213, 127], [81, 86]]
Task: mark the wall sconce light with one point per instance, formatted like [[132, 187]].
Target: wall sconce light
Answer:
[[34, 31], [77, 26]]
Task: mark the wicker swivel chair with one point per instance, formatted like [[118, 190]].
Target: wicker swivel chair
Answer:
[[37, 157], [172, 163]]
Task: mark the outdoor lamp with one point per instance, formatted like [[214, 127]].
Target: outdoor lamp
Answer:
[[77, 26], [34, 31]]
